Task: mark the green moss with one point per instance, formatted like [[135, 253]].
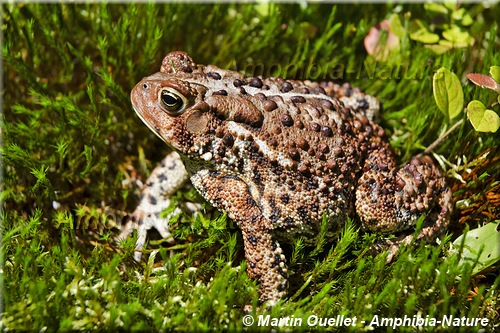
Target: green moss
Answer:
[[73, 147]]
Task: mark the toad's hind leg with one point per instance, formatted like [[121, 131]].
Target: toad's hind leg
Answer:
[[391, 200], [265, 261]]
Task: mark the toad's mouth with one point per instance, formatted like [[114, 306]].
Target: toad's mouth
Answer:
[[152, 129]]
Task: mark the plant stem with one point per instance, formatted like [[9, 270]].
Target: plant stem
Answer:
[[441, 138]]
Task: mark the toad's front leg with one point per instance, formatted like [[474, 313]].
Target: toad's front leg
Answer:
[[163, 182], [265, 260]]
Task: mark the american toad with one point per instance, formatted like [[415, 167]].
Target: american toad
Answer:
[[276, 155]]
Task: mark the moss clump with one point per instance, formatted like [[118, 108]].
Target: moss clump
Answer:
[[74, 152]]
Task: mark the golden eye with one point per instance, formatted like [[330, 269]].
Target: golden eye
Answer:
[[172, 102]]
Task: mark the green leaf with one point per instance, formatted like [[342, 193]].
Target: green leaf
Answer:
[[438, 49], [463, 16], [436, 7], [448, 93], [482, 120], [424, 36], [485, 238], [495, 73], [451, 4], [457, 36], [263, 9], [396, 27]]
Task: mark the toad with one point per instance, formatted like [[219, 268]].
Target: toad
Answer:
[[277, 155]]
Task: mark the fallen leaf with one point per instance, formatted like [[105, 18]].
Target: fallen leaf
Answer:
[[374, 45], [484, 81]]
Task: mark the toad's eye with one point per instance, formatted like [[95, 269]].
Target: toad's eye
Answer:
[[173, 102]]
